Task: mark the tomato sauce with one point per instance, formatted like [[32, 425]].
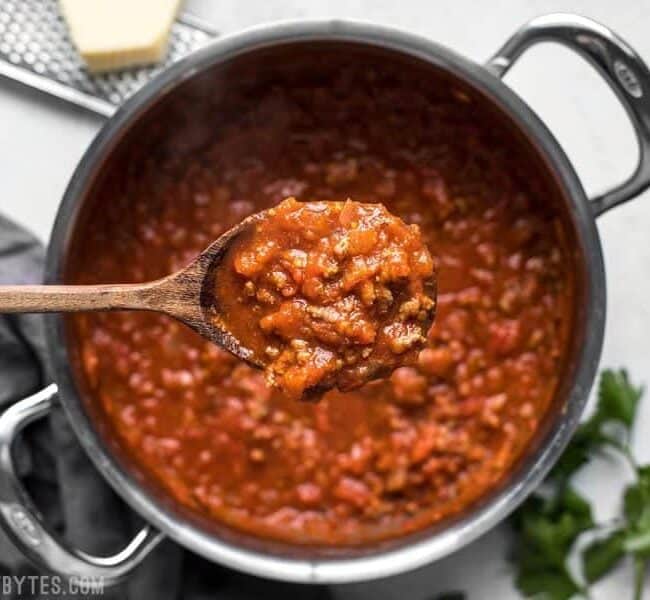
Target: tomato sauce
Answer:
[[327, 294], [395, 455]]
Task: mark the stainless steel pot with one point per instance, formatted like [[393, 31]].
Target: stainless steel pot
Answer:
[[626, 74]]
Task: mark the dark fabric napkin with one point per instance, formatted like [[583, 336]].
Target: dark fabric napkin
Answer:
[[74, 499]]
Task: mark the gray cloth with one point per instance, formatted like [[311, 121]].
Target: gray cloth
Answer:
[[74, 499]]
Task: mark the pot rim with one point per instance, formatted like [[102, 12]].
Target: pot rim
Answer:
[[529, 474]]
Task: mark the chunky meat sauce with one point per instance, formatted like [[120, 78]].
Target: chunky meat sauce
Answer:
[[397, 454], [327, 294]]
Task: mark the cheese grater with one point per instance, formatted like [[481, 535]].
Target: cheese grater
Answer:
[[36, 50]]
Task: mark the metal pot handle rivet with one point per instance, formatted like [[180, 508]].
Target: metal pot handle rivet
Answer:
[[24, 525], [621, 67]]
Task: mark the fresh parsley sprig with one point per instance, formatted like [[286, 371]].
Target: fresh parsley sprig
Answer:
[[550, 522]]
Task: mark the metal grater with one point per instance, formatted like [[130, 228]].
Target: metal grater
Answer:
[[35, 49]]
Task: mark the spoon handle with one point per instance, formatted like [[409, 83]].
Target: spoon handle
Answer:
[[74, 298]]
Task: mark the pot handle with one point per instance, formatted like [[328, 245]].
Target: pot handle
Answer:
[[621, 67], [24, 525]]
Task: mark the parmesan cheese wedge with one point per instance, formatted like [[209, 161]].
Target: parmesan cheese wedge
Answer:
[[114, 34]]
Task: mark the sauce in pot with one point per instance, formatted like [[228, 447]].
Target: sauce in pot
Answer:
[[395, 455]]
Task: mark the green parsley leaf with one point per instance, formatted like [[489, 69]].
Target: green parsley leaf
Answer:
[[549, 584], [602, 556], [636, 507], [617, 398], [636, 502], [548, 528]]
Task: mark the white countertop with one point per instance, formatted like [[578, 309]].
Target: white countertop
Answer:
[[41, 141]]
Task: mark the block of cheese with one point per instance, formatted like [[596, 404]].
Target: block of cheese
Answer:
[[115, 34]]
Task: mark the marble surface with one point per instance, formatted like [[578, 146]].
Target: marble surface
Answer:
[[41, 141]]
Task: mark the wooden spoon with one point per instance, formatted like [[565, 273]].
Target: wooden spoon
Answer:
[[187, 295]]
